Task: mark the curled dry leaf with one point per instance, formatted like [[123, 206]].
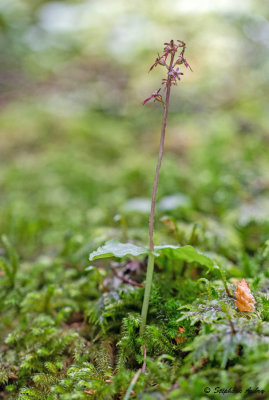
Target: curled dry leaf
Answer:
[[179, 338], [244, 298]]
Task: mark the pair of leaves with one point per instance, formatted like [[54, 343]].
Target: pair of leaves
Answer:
[[113, 248]]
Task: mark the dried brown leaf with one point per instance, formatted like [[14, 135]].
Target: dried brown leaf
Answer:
[[244, 298]]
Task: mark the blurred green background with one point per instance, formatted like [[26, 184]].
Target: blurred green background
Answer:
[[78, 150]]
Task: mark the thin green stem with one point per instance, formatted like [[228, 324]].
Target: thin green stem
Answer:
[[150, 268], [223, 277]]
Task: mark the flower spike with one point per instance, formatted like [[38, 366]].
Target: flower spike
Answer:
[[173, 74]]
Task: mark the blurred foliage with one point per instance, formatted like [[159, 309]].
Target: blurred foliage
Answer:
[[77, 158]]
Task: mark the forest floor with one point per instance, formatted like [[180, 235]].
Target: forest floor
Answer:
[[70, 327]]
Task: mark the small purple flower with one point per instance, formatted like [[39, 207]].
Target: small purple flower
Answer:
[[173, 76], [182, 60], [156, 96], [181, 44], [159, 61], [169, 48]]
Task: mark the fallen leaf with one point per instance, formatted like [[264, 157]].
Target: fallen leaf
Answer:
[[244, 298]]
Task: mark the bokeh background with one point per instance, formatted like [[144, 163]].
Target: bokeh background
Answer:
[[78, 150]]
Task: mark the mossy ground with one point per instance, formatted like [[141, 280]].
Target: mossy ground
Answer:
[[72, 333]]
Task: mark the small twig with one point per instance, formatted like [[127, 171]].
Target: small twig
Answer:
[[232, 326], [223, 277], [227, 291], [126, 280], [133, 382]]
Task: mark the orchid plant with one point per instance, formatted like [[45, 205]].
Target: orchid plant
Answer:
[[173, 56], [170, 59]]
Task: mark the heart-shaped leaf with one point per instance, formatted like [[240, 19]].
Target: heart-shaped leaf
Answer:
[[113, 248], [184, 253]]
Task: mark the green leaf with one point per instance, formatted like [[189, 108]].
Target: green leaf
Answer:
[[185, 253], [113, 248]]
